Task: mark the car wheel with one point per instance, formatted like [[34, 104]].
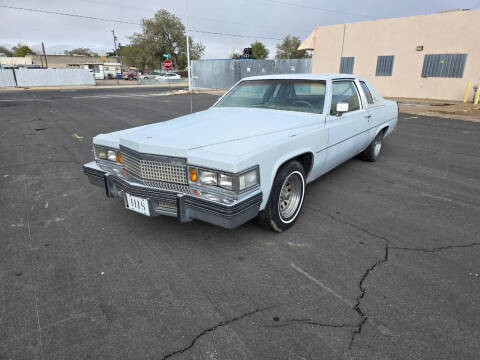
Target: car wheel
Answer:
[[286, 198], [372, 152]]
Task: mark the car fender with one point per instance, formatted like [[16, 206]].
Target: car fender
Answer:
[[269, 174]]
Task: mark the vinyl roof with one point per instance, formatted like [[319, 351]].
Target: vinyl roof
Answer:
[[301, 76]]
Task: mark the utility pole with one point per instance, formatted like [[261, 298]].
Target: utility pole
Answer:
[[116, 54], [188, 47], [45, 55], [115, 42]]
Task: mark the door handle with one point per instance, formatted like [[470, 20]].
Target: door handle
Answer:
[[368, 116]]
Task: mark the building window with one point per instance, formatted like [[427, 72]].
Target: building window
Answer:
[[444, 65], [346, 65], [384, 65]]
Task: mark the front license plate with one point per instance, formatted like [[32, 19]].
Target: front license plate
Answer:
[[137, 204]]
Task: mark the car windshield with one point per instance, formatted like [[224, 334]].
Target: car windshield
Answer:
[[278, 94]]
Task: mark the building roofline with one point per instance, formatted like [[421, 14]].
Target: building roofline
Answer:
[[438, 13]]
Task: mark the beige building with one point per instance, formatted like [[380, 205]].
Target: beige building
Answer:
[[427, 56]]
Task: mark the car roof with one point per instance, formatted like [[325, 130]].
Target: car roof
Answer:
[[301, 77]]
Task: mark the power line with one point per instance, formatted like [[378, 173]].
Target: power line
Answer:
[[71, 15], [129, 22], [284, 3], [237, 35]]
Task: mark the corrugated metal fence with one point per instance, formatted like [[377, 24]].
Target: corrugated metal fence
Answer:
[[46, 77], [223, 74], [213, 74], [290, 66], [54, 77], [6, 78], [256, 67]]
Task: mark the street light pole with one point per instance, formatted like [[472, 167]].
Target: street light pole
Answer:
[[188, 47]]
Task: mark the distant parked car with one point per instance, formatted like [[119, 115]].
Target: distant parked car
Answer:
[[151, 75], [251, 154], [170, 76], [131, 75]]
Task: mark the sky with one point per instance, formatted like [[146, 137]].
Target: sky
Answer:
[[253, 18]]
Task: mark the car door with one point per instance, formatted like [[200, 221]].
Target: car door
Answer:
[[348, 131], [375, 108]]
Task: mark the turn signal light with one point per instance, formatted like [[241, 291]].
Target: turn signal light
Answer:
[[193, 174], [119, 157]]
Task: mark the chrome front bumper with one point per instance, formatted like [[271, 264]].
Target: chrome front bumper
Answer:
[[181, 201]]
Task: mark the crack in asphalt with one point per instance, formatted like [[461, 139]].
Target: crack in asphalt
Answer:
[[436, 249], [359, 298], [311, 322], [388, 248], [358, 227], [212, 329]]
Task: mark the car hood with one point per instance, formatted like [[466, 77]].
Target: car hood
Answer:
[[216, 126]]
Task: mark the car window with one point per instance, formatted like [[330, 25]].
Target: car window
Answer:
[[279, 94], [367, 92], [344, 91]]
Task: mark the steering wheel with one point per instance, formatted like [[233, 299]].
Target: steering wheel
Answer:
[[304, 102]]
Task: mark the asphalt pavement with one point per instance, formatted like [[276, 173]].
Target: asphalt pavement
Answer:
[[384, 262]]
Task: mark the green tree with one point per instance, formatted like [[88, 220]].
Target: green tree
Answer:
[[81, 51], [132, 56], [260, 51], [163, 34], [4, 50], [235, 56], [288, 49], [22, 50]]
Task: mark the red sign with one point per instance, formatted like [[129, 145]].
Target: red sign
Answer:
[[167, 64]]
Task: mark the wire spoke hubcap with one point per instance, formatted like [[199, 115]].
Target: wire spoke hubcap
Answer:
[[290, 196]]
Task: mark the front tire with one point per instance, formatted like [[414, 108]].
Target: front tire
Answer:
[[372, 152], [286, 198]]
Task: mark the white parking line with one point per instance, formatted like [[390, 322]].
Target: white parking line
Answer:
[[322, 285]]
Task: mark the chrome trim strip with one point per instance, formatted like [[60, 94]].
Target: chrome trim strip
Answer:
[[360, 133], [152, 157]]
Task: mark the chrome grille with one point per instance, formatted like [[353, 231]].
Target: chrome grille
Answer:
[[167, 186], [157, 170]]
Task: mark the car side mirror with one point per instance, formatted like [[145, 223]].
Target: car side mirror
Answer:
[[342, 108]]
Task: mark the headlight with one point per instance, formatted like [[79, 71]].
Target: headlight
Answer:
[[225, 181], [247, 180], [101, 153], [207, 177], [107, 154], [111, 155], [233, 182]]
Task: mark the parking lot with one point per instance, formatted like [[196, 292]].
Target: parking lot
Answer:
[[382, 264]]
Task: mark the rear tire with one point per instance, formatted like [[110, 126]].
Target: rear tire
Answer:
[[372, 152], [286, 198]]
